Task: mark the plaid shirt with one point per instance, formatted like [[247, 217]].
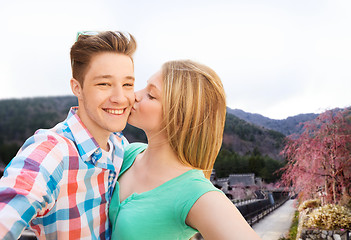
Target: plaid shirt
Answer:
[[59, 184]]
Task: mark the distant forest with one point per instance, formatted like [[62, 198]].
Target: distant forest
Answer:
[[247, 148]]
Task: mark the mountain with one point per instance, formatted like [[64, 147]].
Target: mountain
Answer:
[[247, 148], [244, 137], [20, 118], [286, 126]]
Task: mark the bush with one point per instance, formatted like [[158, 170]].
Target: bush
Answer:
[[312, 204], [346, 201], [329, 217]]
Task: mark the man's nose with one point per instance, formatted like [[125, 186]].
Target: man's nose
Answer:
[[118, 95]]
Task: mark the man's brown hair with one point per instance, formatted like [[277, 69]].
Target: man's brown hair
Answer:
[[88, 46]]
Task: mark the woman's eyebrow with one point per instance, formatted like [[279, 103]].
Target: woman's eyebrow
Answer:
[[154, 86]]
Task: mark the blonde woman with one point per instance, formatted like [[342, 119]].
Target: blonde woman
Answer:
[[163, 191]]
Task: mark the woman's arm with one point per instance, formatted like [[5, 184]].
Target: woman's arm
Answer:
[[216, 217]]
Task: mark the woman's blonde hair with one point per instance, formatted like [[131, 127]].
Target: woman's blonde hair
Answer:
[[194, 110]]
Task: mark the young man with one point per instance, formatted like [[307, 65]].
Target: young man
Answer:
[[61, 181]]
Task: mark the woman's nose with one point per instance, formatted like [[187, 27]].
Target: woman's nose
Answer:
[[138, 96]]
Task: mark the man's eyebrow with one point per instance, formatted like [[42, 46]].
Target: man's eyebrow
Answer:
[[110, 76], [102, 76]]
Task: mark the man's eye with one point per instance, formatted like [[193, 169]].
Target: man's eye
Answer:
[[129, 84], [102, 84]]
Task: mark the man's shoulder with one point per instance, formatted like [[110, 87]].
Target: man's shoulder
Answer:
[[48, 139], [46, 150], [53, 134]]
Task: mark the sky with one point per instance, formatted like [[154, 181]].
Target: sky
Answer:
[[277, 58]]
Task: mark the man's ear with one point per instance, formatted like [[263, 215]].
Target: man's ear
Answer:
[[76, 88]]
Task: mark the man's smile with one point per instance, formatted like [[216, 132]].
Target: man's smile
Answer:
[[114, 111]]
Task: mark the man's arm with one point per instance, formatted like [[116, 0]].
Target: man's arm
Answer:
[[28, 187]]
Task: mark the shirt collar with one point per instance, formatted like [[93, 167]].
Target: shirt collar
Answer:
[[85, 142]]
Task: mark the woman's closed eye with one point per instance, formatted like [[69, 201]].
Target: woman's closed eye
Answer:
[[150, 96]]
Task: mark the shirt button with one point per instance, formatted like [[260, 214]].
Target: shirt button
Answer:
[[97, 151]]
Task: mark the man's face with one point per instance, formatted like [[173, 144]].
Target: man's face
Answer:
[[107, 95]]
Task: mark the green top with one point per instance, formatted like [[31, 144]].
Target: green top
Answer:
[[161, 212]]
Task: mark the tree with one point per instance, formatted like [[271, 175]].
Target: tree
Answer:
[[228, 162], [7, 152], [256, 162], [270, 171], [319, 160]]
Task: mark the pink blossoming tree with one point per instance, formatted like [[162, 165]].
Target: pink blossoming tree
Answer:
[[319, 160]]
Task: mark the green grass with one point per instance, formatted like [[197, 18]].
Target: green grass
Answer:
[[293, 228]]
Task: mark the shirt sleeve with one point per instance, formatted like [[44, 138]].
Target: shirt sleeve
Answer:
[[29, 186], [191, 192]]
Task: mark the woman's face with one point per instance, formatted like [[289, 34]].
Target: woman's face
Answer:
[[147, 110]]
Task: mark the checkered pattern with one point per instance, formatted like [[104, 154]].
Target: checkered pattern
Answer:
[[59, 184]]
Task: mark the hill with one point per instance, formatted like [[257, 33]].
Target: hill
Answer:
[[20, 118], [245, 142], [286, 126], [244, 137]]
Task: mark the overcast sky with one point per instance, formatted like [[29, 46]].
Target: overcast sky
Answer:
[[276, 58]]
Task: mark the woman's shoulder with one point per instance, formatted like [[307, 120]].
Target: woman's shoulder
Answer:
[[132, 150], [134, 147], [193, 187], [194, 184], [197, 177], [130, 153]]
